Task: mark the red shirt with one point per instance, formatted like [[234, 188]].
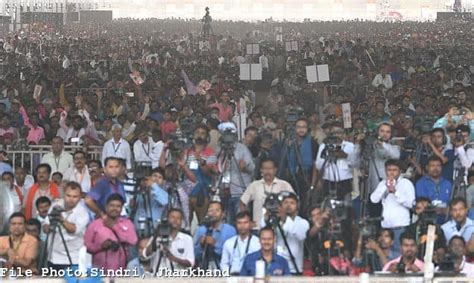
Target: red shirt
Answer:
[[167, 128]]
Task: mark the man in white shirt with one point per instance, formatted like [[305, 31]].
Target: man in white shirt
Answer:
[[335, 160], [397, 195], [117, 147], [295, 230], [464, 154], [79, 172], [383, 79], [238, 247], [58, 159], [258, 190], [146, 150], [457, 248], [72, 222], [178, 254]]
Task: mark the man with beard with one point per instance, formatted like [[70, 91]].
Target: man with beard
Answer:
[[407, 262]]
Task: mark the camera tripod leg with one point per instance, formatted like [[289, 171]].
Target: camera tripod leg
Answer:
[[285, 240]]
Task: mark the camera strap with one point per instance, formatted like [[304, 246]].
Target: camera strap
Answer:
[[119, 242], [147, 152], [235, 246]]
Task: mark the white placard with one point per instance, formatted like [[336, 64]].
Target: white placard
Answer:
[[291, 45], [323, 73], [311, 74], [279, 37], [250, 72], [260, 269], [253, 49], [37, 91], [346, 115], [319, 73]]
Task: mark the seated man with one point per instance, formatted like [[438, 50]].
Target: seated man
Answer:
[[457, 248], [380, 249], [460, 224], [275, 265], [19, 248], [407, 262]]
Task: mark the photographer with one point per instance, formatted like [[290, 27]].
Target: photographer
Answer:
[[397, 195], [71, 217], [212, 235], [151, 186], [426, 215], [407, 262], [461, 147], [258, 190], [294, 230], [334, 163], [235, 177], [380, 250], [434, 187], [109, 237], [457, 249], [178, 252], [440, 147], [317, 234], [146, 150]]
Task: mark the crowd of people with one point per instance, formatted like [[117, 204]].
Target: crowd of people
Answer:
[[202, 170]]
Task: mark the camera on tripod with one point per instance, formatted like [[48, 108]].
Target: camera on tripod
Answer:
[[369, 227], [142, 170], [178, 143], [228, 139], [55, 215], [163, 232], [293, 114], [272, 204], [458, 137], [208, 221]]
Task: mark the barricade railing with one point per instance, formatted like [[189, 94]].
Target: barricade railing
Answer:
[[30, 158]]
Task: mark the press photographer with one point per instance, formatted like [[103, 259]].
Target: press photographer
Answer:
[[149, 202], [457, 250], [236, 167], [317, 234], [374, 250], [334, 163], [172, 249], [407, 262], [210, 237], [463, 151], [70, 216], [290, 231]]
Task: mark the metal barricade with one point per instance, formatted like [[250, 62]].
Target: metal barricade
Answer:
[[30, 158]]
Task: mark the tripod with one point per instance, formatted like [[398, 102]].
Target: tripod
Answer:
[[208, 253], [55, 225], [459, 188], [145, 226], [225, 176], [161, 256]]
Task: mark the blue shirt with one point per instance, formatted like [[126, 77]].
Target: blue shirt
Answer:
[[450, 230], [277, 267], [427, 187], [103, 189], [158, 202], [221, 234], [5, 167], [448, 167]]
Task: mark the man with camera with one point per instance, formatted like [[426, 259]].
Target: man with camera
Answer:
[[378, 250], [174, 251], [407, 262], [291, 237], [317, 234], [211, 236], [397, 195], [334, 163], [108, 238], [238, 247], [434, 187], [236, 167], [153, 200], [71, 217], [438, 142], [464, 153], [145, 150], [258, 190], [457, 249]]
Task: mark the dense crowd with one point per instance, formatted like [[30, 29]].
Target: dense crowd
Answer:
[[200, 169]]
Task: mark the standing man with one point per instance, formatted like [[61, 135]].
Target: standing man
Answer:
[[72, 222], [117, 147], [145, 150], [238, 247], [109, 237], [258, 190], [43, 187], [397, 195], [96, 199], [58, 159], [179, 253], [275, 265], [79, 172]]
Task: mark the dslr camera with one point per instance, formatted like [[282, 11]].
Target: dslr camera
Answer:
[[208, 221], [55, 215], [228, 139]]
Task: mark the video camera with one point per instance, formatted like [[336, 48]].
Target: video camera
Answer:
[[271, 204], [208, 221], [428, 216], [55, 215], [369, 227], [228, 139], [162, 233], [458, 137]]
